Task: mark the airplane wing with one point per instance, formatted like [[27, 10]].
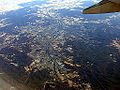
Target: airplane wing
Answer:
[[105, 6]]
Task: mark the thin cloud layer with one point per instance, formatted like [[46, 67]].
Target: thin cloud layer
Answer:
[[8, 5]]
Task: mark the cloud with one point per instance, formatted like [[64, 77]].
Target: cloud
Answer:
[[8, 5]]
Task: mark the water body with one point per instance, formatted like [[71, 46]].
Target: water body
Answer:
[[52, 41]]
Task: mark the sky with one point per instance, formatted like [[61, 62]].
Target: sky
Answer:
[[8, 5]]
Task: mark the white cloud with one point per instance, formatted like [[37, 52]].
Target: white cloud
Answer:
[[7, 5]]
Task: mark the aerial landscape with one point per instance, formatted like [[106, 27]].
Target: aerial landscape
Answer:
[[51, 45]]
